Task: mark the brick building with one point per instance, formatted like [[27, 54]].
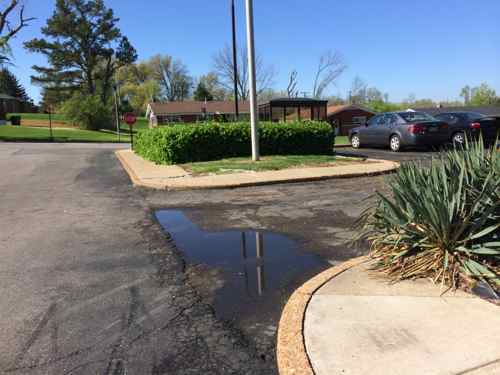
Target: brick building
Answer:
[[194, 111], [348, 116]]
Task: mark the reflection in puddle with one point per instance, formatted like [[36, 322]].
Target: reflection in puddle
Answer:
[[259, 268]]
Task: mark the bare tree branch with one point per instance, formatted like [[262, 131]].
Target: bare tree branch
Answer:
[[223, 67], [172, 76], [330, 67], [357, 94], [5, 24]]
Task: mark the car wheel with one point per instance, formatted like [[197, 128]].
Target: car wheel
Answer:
[[458, 139], [395, 143], [355, 142]]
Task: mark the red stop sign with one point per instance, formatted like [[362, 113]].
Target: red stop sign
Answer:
[[129, 118]]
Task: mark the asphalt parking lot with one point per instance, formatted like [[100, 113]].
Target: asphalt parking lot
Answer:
[[89, 282], [408, 155]]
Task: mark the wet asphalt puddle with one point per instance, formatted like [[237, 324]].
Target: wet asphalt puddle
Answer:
[[247, 274]]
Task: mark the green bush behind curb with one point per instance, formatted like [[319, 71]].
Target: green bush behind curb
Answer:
[[186, 143]]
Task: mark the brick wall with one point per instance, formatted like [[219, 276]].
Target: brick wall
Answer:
[[344, 119]]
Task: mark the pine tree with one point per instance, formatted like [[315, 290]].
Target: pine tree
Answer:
[[9, 84], [201, 93], [84, 48]]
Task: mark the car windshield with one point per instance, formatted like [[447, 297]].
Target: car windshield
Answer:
[[416, 116], [474, 115]]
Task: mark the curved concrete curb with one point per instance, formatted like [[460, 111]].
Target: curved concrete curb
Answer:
[[290, 349], [135, 180], [146, 174]]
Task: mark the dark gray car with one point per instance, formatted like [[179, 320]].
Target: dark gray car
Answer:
[[471, 125], [400, 129]]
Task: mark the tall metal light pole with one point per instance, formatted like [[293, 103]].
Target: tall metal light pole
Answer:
[[254, 121], [235, 63], [116, 112]]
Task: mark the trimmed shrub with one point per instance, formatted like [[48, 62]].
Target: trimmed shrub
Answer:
[[15, 120], [213, 141]]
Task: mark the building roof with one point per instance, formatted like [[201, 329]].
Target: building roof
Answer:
[[334, 109], [485, 110], [196, 107], [282, 102]]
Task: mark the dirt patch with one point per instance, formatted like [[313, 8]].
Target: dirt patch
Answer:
[[46, 124]]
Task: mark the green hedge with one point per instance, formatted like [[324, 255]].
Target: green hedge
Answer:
[[185, 143]]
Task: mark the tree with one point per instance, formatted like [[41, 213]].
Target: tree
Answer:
[[84, 48], [410, 100], [383, 106], [138, 96], [330, 67], [424, 103], [413, 102], [216, 89], [224, 68], [357, 94], [483, 95], [52, 100], [172, 76], [465, 93], [10, 85], [201, 93], [9, 28], [374, 95], [270, 94], [137, 86], [336, 100], [87, 111]]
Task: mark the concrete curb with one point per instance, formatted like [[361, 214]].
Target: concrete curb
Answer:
[[135, 180], [291, 352], [379, 167]]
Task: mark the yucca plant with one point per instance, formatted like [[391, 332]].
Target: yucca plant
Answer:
[[441, 222]]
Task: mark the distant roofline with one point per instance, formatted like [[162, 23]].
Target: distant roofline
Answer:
[[484, 109], [492, 106], [295, 101], [198, 113], [9, 97], [346, 107], [195, 103]]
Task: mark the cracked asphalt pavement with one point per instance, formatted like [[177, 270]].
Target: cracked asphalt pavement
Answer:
[[91, 284]]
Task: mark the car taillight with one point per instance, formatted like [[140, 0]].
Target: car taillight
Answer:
[[416, 129], [475, 125]]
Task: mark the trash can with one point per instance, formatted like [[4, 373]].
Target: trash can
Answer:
[[15, 120]]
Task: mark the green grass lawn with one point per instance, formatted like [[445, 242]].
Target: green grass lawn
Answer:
[[38, 116], [342, 140], [232, 165], [142, 122], [22, 133], [42, 134]]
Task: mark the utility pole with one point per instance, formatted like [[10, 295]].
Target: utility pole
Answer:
[[235, 63], [116, 113], [50, 123], [254, 121]]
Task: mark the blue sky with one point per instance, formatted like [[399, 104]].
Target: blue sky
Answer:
[[430, 48]]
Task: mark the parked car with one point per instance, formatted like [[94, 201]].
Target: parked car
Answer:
[[471, 125], [400, 129]]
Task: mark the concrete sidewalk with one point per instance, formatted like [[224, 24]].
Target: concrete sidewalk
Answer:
[[147, 174], [357, 324]]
